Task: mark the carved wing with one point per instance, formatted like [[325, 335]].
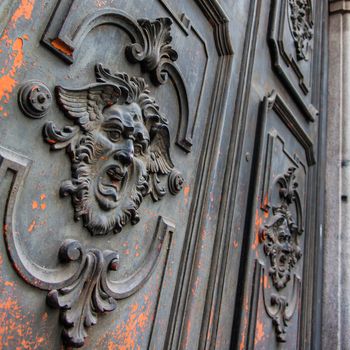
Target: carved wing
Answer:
[[86, 105], [159, 160]]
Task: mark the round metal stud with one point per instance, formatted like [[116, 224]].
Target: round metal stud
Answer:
[[175, 182], [34, 99]]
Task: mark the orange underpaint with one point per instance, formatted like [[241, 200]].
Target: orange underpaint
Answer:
[[188, 332], [235, 244], [186, 194], [7, 81], [31, 226], [14, 51], [42, 196], [259, 332], [24, 10], [19, 329], [62, 47], [245, 324], [35, 205], [258, 223], [43, 206], [266, 282], [51, 142], [125, 336], [266, 200]]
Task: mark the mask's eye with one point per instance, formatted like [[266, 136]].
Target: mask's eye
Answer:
[[138, 150], [114, 135]]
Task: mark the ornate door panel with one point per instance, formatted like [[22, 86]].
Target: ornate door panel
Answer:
[[158, 162], [279, 235]]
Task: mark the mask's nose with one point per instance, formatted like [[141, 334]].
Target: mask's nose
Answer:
[[125, 155]]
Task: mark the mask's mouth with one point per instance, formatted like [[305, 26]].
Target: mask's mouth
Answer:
[[110, 185]]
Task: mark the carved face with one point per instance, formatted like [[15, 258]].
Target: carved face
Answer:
[[116, 173], [282, 250], [118, 147]]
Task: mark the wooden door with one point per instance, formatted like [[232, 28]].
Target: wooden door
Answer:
[[159, 173]]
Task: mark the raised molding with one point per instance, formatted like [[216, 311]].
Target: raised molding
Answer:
[[276, 46], [150, 46], [276, 103], [77, 291], [339, 6]]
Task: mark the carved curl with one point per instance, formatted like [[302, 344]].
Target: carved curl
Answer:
[[157, 51]]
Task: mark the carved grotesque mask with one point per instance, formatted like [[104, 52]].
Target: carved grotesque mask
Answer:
[[119, 145], [281, 246]]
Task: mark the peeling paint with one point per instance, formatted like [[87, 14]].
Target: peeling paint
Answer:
[[125, 335], [259, 332], [31, 226], [14, 49], [258, 223], [245, 324], [24, 10], [18, 327], [186, 194], [7, 81], [62, 47]]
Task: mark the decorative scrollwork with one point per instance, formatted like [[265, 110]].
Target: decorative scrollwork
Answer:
[[281, 309], [118, 148], [81, 301], [157, 51], [280, 235], [300, 18]]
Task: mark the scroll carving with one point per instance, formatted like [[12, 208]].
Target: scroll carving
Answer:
[[156, 52], [300, 18], [89, 290], [93, 292], [150, 47], [118, 143], [81, 301], [118, 148], [279, 237], [281, 310]]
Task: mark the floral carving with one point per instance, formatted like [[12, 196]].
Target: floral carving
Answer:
[[156, 52], [119, 146], [300, 17]]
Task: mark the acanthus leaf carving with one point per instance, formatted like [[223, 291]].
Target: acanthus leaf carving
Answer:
[[157, 50], [281, 309], [119, 146], [81, 301]]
